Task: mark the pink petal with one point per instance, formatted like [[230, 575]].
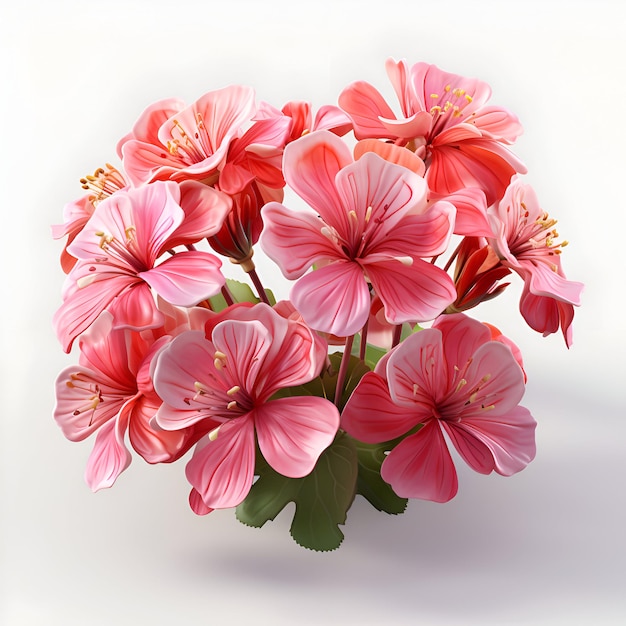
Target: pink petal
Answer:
[[472, 450], [293, 432], [411, 293], [420, 466], [416, 373], [197, 505], [311, 165], [499, 123], [109, 457], [153, 444], [510, 439], [180, 364], [461, 338], [471, 212], [332, 118], [205, 209], [344, 293], [372, 417], [146, 128], [186, 278], [544, 281], [83, 304], [478, 162], [222, 470], [135, 308], [145, 162], [365, 106], [294, 240], [392, 153], [79, 410], [390, 190]]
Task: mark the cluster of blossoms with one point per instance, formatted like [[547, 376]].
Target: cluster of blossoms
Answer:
[[174, 357]]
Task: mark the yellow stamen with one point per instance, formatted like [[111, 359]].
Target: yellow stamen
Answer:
[[233, 390]]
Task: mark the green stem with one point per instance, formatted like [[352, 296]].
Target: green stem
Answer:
[[343, 370]]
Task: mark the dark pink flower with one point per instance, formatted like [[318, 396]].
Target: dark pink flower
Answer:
[[227, 383], [446, 121], [368, 224], [451, 379], [118, 250]]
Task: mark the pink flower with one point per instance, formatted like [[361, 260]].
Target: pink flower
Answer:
[[102, 184], [449, 379], [226, 382], [525, 241], [446, 121], [327, 117], [118, 249], [369, 224], [110, 392], [171, 141]]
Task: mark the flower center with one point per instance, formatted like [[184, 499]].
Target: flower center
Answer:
[[536, 239], [190, 147], [103, 183], [448, 104], [91, 391]]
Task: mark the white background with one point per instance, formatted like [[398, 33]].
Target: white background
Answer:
[[546, 546]]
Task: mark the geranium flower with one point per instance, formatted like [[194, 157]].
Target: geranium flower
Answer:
[[102, 184], [226, 382], [448, 379], [110, 392], [118, 249], [525, 241], [369, 224], [171, 141], [446, 121]]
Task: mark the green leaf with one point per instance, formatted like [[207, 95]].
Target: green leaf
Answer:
[[322, 498], [371, 484], [241, 292], [325, 385], [373, 354]]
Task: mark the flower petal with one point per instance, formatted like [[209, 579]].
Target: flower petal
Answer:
[[371, 416], [222, 469], [420, 466], [294, 431], [344, 293], [186, 278]]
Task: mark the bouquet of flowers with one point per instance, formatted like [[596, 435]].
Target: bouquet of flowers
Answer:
[[364, 378]]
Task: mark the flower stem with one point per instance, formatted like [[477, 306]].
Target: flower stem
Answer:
[[397, 334], [363, 347], [227, 295], [258, 285], [343, 370]]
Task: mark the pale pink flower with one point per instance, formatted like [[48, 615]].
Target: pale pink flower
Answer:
[[369, 224], [525, 241], [118, 249], [226, 383], [110, 392], [102, 184], [446, 121], [450, 379]]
